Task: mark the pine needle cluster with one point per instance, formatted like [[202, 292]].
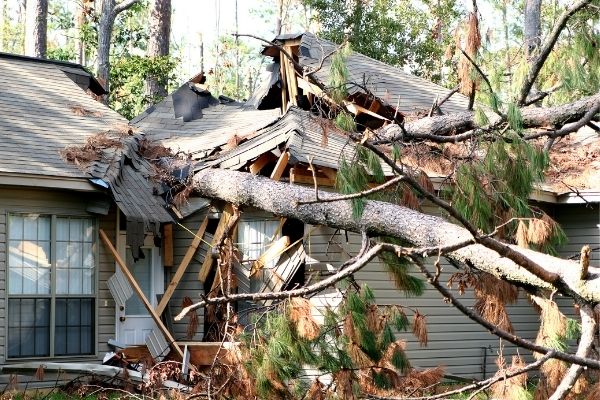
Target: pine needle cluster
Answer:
[[339, 77], [356, 345]]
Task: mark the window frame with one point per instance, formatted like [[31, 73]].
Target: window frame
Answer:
[[53, 295]]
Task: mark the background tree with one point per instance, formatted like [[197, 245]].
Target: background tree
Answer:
[[158, 47], [36, 22], [402, 33]]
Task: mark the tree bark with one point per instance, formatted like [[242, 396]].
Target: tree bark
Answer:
[[158, 46], [387, 219], [36, 25], [452, 124], [532, 28], [108, 12]]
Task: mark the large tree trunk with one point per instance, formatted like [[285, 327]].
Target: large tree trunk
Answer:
[[532, 28], [451, 124], [105, 27], [158, 46], [36, 22], [380, 219]]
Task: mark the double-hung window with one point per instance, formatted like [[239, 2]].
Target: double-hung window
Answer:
[[51, 286]]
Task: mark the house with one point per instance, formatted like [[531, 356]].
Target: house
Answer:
[[253, 137], [60, 187]]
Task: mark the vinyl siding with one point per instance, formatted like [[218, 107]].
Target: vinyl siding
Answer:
[[454, 341], [62, 203]]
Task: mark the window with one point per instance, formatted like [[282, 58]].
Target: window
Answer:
[[51, 286], [255, 237]]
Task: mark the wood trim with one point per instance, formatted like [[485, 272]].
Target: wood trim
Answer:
[[140, 293], [260, 163], [208, 260], [167, 247], [182, 267], [280, 166], [299, 175]]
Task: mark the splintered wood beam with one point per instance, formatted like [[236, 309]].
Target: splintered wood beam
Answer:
[[292, 83], [276, 248], [350, 106], [298, 175], [168, 245], [208, 260], [140, 293], [280, 166], [260, 163], [182, 267]]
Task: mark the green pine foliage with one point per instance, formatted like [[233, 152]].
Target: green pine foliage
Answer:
[[497, 188], [339, 75], [399, 270], [278, 354], [354, 176]]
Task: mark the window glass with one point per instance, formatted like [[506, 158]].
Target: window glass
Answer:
[[255, 237], [29, 254], [31, 239]]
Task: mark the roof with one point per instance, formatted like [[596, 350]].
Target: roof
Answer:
[[391, 84], [43, 112], [77, 72], [200, 137], [304, 135]]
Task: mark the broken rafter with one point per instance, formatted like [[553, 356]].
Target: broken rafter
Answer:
[[140, 293]]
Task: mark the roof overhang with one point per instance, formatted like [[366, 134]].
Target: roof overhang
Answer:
[[46, 182]]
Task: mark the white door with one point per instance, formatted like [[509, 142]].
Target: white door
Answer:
[[133, 320]]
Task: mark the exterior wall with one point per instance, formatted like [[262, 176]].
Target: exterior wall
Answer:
[[189, 285], [581, 224], [62, 203], [454, 341]]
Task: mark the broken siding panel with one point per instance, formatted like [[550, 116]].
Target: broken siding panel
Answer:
[[61, 203], [189, 285], [454, 340]]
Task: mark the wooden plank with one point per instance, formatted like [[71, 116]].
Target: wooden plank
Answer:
[[208, 260], [282, 73], [280, 166], [168, 245], [291, 77], [270, 254], [140, 293], [298, 175], [260, 162], [182, 267], [204, 353]]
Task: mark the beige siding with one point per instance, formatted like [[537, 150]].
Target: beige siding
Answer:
[[454, 341], [189, 285], [581, 224], [62, 203]]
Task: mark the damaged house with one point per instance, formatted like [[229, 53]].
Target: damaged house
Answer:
[[278, 134], [100, 251]]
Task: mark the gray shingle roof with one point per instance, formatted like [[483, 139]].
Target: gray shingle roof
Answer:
[[384, 81], [42, 111], [303, 134], [37, 118], [199, 137]]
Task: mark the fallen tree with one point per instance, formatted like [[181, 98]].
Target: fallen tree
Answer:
[[385, 219]]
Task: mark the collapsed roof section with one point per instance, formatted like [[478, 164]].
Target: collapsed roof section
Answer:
[[391, 87]]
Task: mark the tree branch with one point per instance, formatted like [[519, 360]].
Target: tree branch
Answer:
[[588, 332], [356, 265], [385, 219], [457, 123], [364, 193], [481, 384], [123, 6], [538, 63], [501, 333]]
